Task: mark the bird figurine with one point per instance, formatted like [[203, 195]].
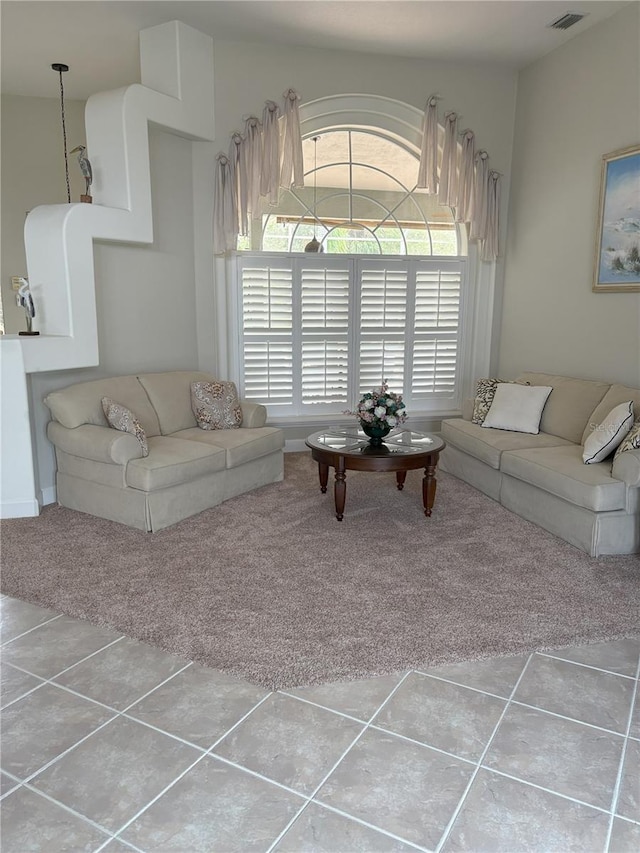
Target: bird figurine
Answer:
[[26, 301], [85, 168]]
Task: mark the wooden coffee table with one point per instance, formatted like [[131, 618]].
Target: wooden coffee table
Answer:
[[403, 450]]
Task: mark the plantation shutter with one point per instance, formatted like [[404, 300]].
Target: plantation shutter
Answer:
[[318, 332], [436, 331], [383, 316], [324, 330], [267, 326]]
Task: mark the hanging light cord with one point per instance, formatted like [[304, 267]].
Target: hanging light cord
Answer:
[[64, 139], [59, 67], [315, 182]]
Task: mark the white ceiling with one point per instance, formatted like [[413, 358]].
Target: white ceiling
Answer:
[[98, 39]]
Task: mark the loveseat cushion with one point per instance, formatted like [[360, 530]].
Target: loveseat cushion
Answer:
[[171, 461], [122, 419], [82, 403], [569, 405], [487, 444], [561, 471], [215, 405], [170, 395], [240, 445], [615, 395]]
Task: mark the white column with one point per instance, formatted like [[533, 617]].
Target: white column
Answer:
[[17, 478]]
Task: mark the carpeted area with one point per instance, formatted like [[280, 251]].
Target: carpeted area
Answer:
[[271, 587]]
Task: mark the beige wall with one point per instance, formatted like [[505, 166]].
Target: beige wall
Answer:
[[149, 309], [32, 174], [248, 74], [145, 295], [573, 106]]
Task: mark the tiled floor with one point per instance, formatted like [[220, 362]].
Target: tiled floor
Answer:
[[109, 744]]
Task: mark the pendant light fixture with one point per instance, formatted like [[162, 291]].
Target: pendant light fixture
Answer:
[[313, 245], [60, 67]]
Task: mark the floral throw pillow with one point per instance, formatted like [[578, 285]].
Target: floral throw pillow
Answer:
[[216, 405], [631, 441], [120, 418], [485, 392]]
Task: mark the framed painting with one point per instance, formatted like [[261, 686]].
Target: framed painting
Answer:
[[617, 264]]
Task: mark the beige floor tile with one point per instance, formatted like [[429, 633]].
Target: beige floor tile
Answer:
[[215, 807], [116, 772], [399, 786], [199, 705], [289, 741]]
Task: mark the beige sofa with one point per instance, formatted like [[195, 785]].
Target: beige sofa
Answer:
[[103, 472], [543, 478]]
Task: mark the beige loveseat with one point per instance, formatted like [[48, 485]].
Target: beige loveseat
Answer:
[[103, 472], [543, 478]]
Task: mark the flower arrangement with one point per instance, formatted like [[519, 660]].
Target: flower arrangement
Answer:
[[380, 408]]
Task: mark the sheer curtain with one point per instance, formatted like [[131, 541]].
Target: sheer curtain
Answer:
[[461, 178], [267, 155]]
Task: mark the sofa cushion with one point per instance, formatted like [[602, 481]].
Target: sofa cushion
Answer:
[[517, 407], [631, 441], [216, 405], [615, 395], [241, 445], [171, 461], [569, 405], [487, 445], [609, 434], [485, 392], [121, 418], [170, 395], [82, 403], [560, 470]]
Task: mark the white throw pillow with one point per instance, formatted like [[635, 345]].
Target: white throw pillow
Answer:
[[517, 407], [609, 434]]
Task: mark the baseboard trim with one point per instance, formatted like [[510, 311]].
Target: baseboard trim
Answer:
[[48, 495], [19, 509], [295, 445]]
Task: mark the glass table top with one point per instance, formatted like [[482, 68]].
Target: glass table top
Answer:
[[352, 440]]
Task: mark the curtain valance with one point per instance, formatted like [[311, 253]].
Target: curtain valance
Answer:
[[461, 178], [266, 156]]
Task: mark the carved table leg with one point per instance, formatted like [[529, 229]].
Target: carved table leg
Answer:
[[429, 488], [340, 489], [401, 476], [323, 471]]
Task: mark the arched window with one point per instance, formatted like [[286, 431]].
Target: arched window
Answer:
[[389, 297], [359, 197]]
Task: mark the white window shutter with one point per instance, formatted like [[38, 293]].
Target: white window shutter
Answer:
[[317, 332], [383, 319], [436, 332], [324, 332], [267, 319]]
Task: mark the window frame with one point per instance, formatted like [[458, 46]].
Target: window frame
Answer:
[[401, 122], [436, 404]]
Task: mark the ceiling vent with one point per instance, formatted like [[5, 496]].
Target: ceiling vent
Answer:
[[565, 21]]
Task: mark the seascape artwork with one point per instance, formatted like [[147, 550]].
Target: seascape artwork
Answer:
[[618, 259]]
